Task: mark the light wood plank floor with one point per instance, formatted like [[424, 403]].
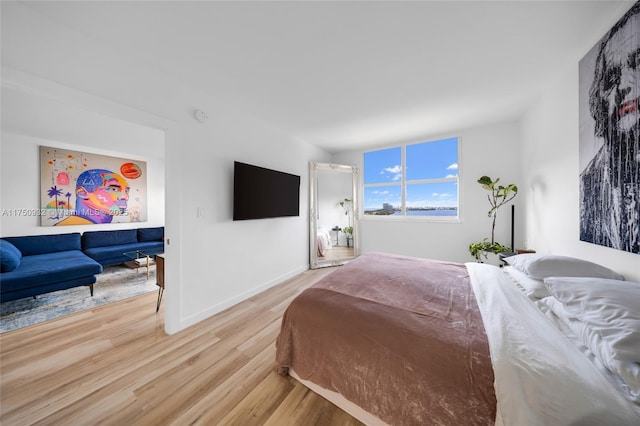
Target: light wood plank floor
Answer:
[[115, 365], [337, 252]]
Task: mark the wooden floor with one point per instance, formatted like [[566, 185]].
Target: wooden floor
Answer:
[[337, 252], [115, 365]]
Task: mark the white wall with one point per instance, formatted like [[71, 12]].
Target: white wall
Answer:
[[212, 262], [491, 150], [30, 120], [551, 170]]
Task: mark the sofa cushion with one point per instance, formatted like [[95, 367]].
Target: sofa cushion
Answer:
[[151, 247], [93, 239], [44, 269], [41, 244], [151, 234], [9, 256]]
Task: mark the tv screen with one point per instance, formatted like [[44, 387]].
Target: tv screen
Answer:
[[260, 193]]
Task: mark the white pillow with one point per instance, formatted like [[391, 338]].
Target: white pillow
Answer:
[[626, 373], [534, 289], [610, 310], [541, 266]]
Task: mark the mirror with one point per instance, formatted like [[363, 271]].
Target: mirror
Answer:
[[334, 238]]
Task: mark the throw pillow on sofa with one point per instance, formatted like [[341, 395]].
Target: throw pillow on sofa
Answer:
[[9, 256]]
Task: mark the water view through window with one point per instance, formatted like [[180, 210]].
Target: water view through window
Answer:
[[428, 173]]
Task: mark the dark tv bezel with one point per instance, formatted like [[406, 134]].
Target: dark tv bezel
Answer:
[[262, 214]]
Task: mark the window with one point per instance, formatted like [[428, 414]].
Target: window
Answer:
[[413, 180]]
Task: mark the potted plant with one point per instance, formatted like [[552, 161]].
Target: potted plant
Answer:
[[348, 230], [347, 205], [498, 196]]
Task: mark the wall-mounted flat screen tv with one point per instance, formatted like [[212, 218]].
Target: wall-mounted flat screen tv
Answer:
[[260, 193]]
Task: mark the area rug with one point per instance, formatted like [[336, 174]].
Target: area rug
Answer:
[[115, 283]]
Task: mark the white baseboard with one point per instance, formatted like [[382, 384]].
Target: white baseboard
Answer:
[[193, 319]]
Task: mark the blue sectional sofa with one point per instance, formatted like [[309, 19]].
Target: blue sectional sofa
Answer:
[[39, 264], [33, 265], [108, 247]]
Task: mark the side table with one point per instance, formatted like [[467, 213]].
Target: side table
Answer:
[[159, 278], [337, 230], [502, 256]]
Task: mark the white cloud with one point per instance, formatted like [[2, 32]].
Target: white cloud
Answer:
[[453, 166], [395, 170], [451, 176], [439, 195], [380, 192]]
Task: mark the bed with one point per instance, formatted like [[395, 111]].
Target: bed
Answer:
[[324, 242], [401, 340]]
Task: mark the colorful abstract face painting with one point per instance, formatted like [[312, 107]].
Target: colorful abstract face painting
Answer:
[[609, 138], [83, 189]]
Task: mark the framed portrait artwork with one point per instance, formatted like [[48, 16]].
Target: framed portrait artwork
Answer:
[[609, 96], [80, 188]]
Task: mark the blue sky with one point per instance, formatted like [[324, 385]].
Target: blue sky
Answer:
[[432, 160]]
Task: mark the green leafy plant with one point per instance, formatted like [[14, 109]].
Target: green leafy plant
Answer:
[[348, 231], [346, 204], [480, 249], [498, 196]]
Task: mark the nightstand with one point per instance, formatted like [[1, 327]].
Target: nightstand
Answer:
[[159, 278], [337, 230], [503, 256]]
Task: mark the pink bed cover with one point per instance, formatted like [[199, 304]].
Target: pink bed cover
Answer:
[[400, 337]]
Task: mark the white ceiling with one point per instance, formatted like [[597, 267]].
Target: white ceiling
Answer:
[[343, 75]]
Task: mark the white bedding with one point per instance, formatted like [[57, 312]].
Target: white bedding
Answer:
[[324, 242], [541, 377]]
